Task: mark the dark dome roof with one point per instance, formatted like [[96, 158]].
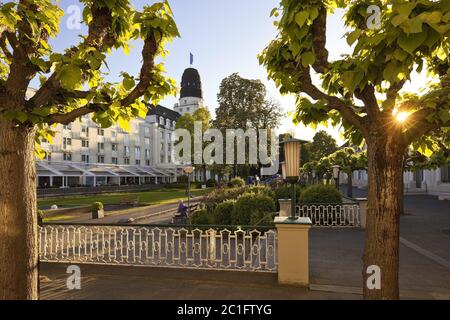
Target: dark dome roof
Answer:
[[191, 85]]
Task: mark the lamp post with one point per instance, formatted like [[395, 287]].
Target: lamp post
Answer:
[[336, 171], [292, 167], [188, 171]]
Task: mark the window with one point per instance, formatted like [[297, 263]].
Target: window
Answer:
[[137, 152], [162, 158], [445, 174], [169, 159], [126, 160], [114, 147], [181, 110], [161, 120], [114, 134], [67, 157], [138, 162], [85, 130], [85, 143], [147, 142], [126, 150], [147, 131], [187, 109], [168, 123], [114, 160], [67, 142], [85, 158], [48, 156], [147, 153], [147, 163], [101, 159], [67, 127], [100, 132], [100, 146]]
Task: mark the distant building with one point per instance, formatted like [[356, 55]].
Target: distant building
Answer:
[[434, 182], [191, 94], [84, 154]]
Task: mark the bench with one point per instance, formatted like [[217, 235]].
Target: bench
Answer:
[[132, 200]]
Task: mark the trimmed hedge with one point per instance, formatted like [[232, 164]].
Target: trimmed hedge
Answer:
[[97, 206], [223, 214], [236, 183], [285, 192], [201, 217], [211, 183], [251, 208], [320, 194]]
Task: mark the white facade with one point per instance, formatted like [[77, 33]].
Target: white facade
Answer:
[[80, 151], [434, 182], [189, 105]]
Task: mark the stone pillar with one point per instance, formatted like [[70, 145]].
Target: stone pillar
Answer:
[[362, 211], [285, 207], [293, 261]]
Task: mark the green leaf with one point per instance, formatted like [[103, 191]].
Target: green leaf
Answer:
[[411, 42], [444, 115], [128, 83], [301, 17], [413, 25], [308, 58], [353, 36], [70, 76], [40, 63]]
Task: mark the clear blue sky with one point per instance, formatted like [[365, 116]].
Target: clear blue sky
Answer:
[[224, 36]]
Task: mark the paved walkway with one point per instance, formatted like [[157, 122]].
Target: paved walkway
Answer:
[[142, 215], [122, 282]]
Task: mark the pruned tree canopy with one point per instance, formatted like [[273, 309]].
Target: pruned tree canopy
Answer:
[[73, 82], [363, 91]]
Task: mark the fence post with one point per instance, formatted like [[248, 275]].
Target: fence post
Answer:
[[362, 211], [285, 207], [293, 260]]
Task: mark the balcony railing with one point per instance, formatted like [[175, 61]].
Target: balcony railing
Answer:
[[331, 215], [162, 246]]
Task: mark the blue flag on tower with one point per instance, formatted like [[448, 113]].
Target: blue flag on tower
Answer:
[[191, 58]]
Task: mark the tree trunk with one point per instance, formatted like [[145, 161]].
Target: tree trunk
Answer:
[[385, 163], [349, 185], [18, 217]]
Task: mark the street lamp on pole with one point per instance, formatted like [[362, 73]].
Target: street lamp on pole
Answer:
[[336, 172], [188, 171], [292, 167]]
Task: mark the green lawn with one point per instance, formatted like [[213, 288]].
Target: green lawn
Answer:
[[148, 198]]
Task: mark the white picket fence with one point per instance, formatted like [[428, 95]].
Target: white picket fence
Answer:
[[180, 247]]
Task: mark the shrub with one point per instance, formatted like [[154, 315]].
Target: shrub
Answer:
[[96, 206], [217, 196], [211, 183], [264, 190], [201, 217], [223, 213], [251, 208], [236, 183], [320, 194]]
